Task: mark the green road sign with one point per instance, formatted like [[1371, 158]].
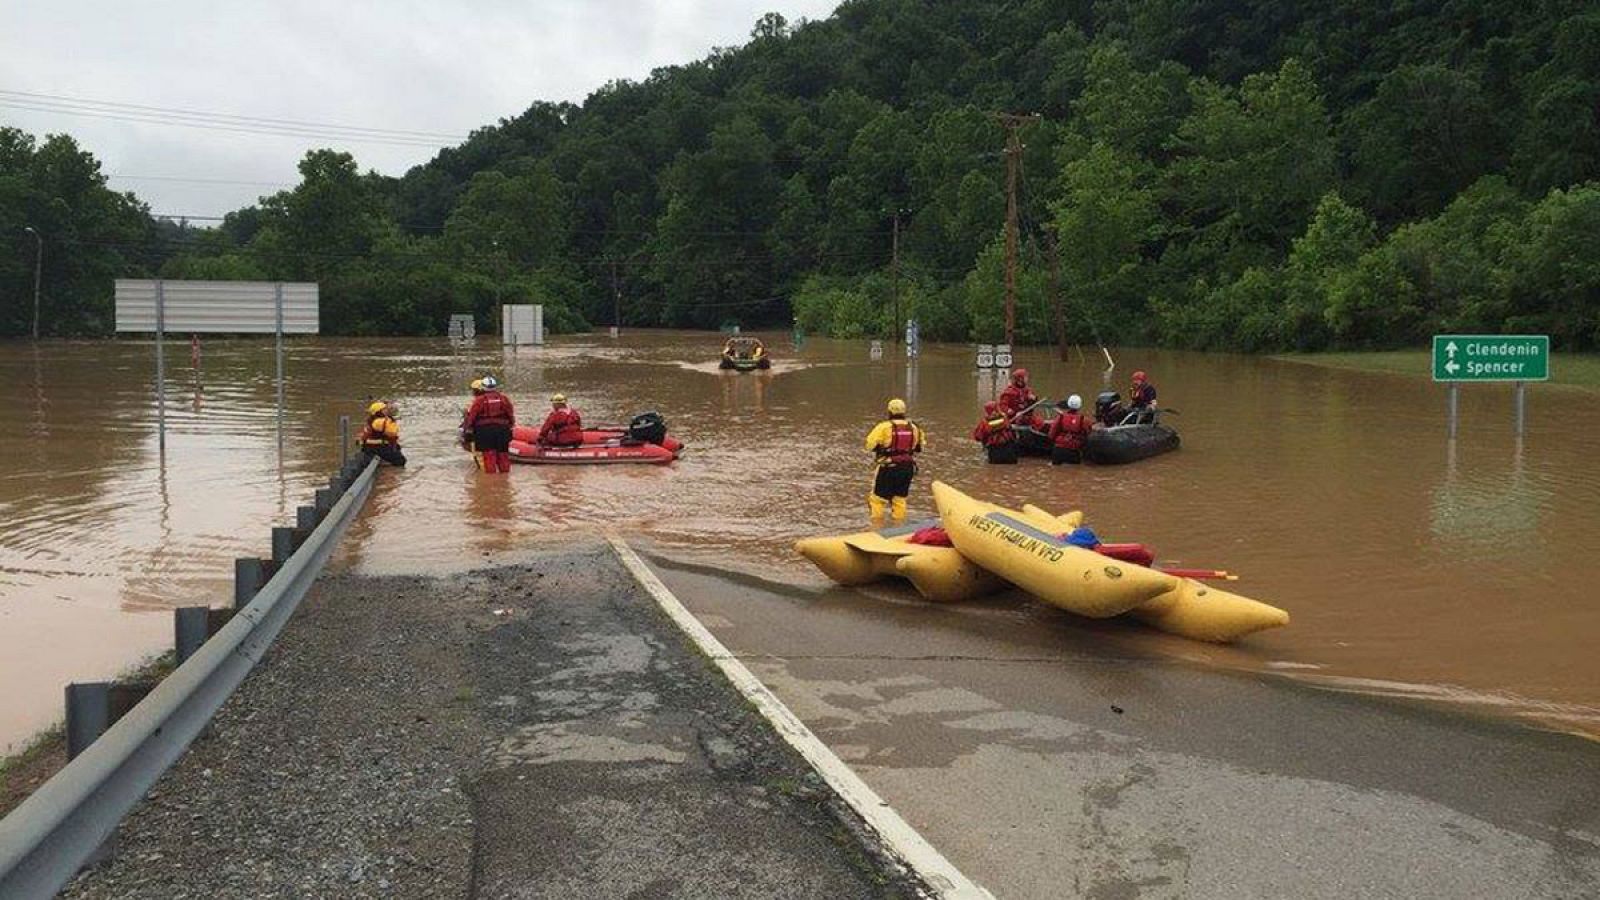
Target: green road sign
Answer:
[[1491, 357]]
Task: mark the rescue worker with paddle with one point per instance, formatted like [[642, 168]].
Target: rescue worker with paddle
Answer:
[[489, 421], [894, 443], [1018, 399], [995, 434], [380, 436], [1069, 432], [563, 427]]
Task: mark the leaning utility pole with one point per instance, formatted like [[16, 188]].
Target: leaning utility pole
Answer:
[[1012, 123]]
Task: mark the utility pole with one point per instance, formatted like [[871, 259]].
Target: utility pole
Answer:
[[616, 299], [1012, 123], [1055, 292], [894, 279], [38, 263]]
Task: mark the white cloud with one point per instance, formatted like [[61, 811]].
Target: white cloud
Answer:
[[401, 64]]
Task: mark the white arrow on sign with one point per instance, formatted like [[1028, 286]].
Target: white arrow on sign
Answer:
[[1450, 348], [1451, 367]]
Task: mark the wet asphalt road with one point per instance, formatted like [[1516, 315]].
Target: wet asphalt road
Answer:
[[1045, 762], [528, 730]]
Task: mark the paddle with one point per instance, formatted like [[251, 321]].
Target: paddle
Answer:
[[1212, 574]]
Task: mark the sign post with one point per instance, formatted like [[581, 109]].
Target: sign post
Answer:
[[1518, 358]]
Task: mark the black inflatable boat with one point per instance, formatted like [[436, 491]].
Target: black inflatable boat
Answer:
[[1128, 443]]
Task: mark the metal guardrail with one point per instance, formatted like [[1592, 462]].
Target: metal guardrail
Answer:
[[46, 840]]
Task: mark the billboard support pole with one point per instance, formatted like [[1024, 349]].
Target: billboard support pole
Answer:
[[161, 368], [277, 299]]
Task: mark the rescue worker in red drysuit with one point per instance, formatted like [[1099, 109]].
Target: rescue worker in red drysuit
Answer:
[[490, 419], [996, 436], [1017, 397], [563, 427], [894, 443], [1142, 397], [380, 436], [1069, 432]]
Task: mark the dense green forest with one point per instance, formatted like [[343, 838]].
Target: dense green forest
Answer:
[[1230, 174]]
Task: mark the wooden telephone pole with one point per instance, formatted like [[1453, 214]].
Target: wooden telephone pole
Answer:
[[1012, 123]]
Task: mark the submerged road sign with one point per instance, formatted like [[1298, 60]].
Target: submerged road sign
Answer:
[[1491, 357]]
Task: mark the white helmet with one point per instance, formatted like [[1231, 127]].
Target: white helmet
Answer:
[[1074, 402], [490, 382]]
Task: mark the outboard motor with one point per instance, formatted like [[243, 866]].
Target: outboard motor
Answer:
[[648, 427], [1108, 408]]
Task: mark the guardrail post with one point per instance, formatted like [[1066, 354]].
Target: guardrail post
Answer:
[[249, 576], [88, 714], [190, 630], [305, 518], [343, 440], [324, 502], [282, 544]]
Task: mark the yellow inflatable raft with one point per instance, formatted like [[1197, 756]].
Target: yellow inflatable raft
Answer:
[[1005, 542], [1204, 613], [940, 574]]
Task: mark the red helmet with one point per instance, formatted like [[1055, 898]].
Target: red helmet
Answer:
[[1019, 376], [1138, 378], [991, 407]]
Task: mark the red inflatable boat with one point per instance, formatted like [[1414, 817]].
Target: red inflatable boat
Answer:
[[645, 440]]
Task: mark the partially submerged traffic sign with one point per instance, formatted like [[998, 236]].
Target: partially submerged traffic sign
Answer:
[[1491, 357], [1518, 358]]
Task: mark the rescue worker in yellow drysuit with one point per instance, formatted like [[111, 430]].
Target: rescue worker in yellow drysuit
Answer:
[[464, 434], [894, 443], [380, 437]]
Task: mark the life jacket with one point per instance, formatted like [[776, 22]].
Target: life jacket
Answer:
[[562, 426], [902, 444], [380, 430], [1143, 395], [995, 432], [1069, 430], [492, 409], [932, 536]]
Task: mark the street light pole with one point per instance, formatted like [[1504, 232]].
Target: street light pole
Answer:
[[38, 262]]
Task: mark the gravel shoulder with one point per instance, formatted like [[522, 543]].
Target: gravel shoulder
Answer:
[[531, 730]]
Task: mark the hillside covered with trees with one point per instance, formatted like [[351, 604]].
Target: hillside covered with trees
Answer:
[[1249, 175]]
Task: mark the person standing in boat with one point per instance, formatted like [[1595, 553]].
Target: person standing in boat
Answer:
[[489, 420], [563, 427], [995, 434], [380, 436], [1018, 396], [1142, 397], [1069, 432], [894, 444]]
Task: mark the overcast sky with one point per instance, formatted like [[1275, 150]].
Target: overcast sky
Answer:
[[413, 65]]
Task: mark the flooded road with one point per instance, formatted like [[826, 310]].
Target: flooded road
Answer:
[[1411, 568]]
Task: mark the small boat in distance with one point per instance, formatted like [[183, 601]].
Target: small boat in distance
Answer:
[[744, 354]]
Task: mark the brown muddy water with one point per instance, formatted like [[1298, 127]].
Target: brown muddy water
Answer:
[[1461, 574]]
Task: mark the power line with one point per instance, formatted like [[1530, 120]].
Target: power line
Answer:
[[178, 178], [155, 119], [117, 106]]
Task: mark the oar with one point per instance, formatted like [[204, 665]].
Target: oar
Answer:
[[1208, 574]]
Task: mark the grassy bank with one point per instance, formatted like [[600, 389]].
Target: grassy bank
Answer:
[[45, 755], [1571, 370]]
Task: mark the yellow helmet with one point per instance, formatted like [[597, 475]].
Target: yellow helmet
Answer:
[[558, 398], [477, 385], [376, 407], [897, 407]]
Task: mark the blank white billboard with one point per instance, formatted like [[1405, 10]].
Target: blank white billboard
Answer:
[[522, 324], [227, 307]]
